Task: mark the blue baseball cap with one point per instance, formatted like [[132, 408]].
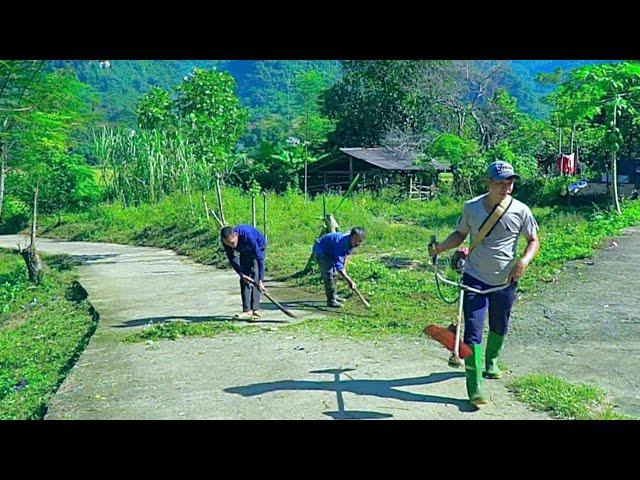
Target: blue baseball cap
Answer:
[[500, 170]]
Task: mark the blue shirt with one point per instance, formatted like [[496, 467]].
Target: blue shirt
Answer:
[[250, 242], [336, 246]]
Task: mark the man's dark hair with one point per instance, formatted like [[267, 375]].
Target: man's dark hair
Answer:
[[226, 232], [357, 231]]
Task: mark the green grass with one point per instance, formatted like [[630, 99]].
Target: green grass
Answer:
[[390, 268], [176, 330], [562, 399], [43, 330]]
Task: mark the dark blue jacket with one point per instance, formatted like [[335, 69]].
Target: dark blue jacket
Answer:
[[336, 246], [250, 242]]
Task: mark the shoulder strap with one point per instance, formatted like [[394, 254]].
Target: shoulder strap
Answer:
[[494, 217]]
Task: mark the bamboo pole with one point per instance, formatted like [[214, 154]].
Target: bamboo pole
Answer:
[[206, 208], [220, 199], [614, 166], [264, 215], [253, 210], [324, 205], [35, 216]]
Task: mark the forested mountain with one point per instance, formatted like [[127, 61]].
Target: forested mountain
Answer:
[[120, 83], [264, 86], [528, 91]]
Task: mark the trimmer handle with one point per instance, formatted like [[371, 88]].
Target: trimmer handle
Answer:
[[432, 243]]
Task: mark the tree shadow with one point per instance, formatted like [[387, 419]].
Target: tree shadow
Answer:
[[375, 388], [170, 318], [93, 258], [187, 318]]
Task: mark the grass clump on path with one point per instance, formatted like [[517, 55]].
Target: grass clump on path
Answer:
[[178, 329], [562, 399]]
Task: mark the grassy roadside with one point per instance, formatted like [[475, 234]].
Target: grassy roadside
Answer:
[[391, 267], [43, 330], [562, 399]]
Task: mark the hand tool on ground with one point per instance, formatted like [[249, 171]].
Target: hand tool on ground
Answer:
[[284, 310], [366, 304]]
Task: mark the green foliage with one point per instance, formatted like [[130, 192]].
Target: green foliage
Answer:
[[532, 80], [279, 144], [41, 336], [50, 114], [154, 109], [604, 98], [308, 125], [468, 166], [266, 87], [15, 215], [545, 190], [373, 97], [146, 166], [184, 143], [526, 166], [179, 329], [120, 86], [66, 183], [453, 148], [211, 115], [276, 88], [13, 279]]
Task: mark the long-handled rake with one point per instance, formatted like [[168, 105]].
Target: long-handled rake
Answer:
[[284, 310], [364, 300]]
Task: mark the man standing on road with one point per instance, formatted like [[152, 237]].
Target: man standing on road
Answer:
[[332, 251], [493, 262], [251, 245]]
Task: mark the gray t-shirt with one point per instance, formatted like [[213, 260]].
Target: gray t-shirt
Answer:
[[494, 257]]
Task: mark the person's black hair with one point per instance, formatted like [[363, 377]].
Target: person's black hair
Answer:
[[226, 232], [358, 231]]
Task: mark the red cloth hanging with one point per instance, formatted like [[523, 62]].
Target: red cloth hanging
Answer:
[[567, 164]]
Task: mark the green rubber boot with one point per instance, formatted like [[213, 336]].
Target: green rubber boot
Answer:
[[494, 348], [473, 370]]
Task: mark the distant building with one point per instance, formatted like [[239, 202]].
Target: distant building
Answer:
[[378, 167]]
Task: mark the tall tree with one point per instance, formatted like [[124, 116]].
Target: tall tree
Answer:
[[17, 80], [607, 96], [45, 141], [211, 114], [375, 96]]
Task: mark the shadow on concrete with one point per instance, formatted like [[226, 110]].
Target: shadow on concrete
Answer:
[[310, 306], [375, 388], [93, 258], [191, 319]]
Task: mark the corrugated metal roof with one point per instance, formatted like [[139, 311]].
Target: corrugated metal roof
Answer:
[[388, 159]]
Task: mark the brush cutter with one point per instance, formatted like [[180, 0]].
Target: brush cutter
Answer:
[[284, 310], [450, 337]]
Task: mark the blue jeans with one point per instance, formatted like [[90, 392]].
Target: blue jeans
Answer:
[[475, 309]]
